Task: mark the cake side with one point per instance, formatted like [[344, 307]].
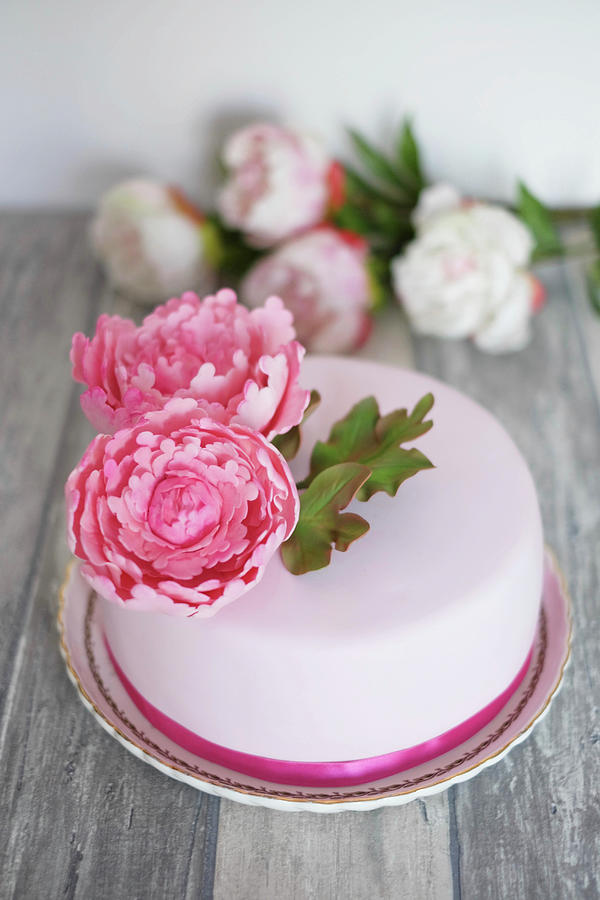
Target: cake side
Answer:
[[419, 625]]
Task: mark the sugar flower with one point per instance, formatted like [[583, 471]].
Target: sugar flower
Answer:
[[179, 514], [241, 367]]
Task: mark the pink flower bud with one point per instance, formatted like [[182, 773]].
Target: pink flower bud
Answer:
[[277, 183], [323, 280]]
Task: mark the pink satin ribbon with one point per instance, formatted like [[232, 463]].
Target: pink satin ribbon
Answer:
[[318, 774]]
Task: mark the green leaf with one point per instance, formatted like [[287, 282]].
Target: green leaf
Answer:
[[359, 190], [408, 154], [353, 219], [389, 221], [537, 218], [235, 257], [595, 224], [593, 285], [366, 437], [321, 526], [375, 162], [378, 280], [288, 444]]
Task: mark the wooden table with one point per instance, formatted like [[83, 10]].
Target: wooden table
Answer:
[[80, 817]]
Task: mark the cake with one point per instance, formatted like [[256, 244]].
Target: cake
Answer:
[[403, 647]]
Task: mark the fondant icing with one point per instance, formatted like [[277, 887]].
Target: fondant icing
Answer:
[[420, 624]]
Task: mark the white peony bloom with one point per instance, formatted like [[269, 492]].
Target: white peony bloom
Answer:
[[151, 241], [507, 328], [464, 274], [439, 198]]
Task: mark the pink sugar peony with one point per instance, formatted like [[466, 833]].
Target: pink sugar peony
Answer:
[[323, 279], [278, 183], [240, 366], [179, 514]]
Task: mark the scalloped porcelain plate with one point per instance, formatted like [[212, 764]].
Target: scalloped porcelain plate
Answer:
[[99, 688]]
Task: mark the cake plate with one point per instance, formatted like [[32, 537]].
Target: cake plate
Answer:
[[101, 691]]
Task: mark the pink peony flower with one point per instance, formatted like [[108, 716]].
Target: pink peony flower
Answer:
[[179, 514], [279, 183], [241, 367], [152, 241], [322, 278]]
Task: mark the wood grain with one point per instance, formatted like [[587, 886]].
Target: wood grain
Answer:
[[81, 818], [401, 853], [586, 320]]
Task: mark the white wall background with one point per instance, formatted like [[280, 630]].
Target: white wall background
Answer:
[[94, 91]]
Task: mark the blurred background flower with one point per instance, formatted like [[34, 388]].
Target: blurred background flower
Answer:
[[465, 274], [323, 279], [277, 183], [338, 240], [153, 242]]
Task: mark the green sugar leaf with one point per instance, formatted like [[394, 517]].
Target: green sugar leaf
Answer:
[[322, 527], [365, 437]]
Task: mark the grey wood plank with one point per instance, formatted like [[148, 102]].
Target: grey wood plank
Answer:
[[531, 826], [44, 293], [80, 816], [401, 852], [587, 320], [87, 819]]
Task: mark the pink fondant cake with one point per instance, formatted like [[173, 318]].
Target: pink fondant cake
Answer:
[[405, 644]]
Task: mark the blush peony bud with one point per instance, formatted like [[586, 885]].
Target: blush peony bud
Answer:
[[179, 514], [152, 241], [322, 277], [278, 183], [465, 273], [239, 366]]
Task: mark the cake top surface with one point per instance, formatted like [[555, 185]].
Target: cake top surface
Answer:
[[443, 537]]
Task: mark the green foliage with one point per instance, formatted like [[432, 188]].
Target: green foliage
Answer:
[[409, 157], [235, 256], [377, 164], [366, 437], [361, 456], [322, 526], [380, 198], [593, 271], [593, 285], [594, 220], [537, 218]]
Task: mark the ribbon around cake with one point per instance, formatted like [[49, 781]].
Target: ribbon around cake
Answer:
[[329, 774]]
